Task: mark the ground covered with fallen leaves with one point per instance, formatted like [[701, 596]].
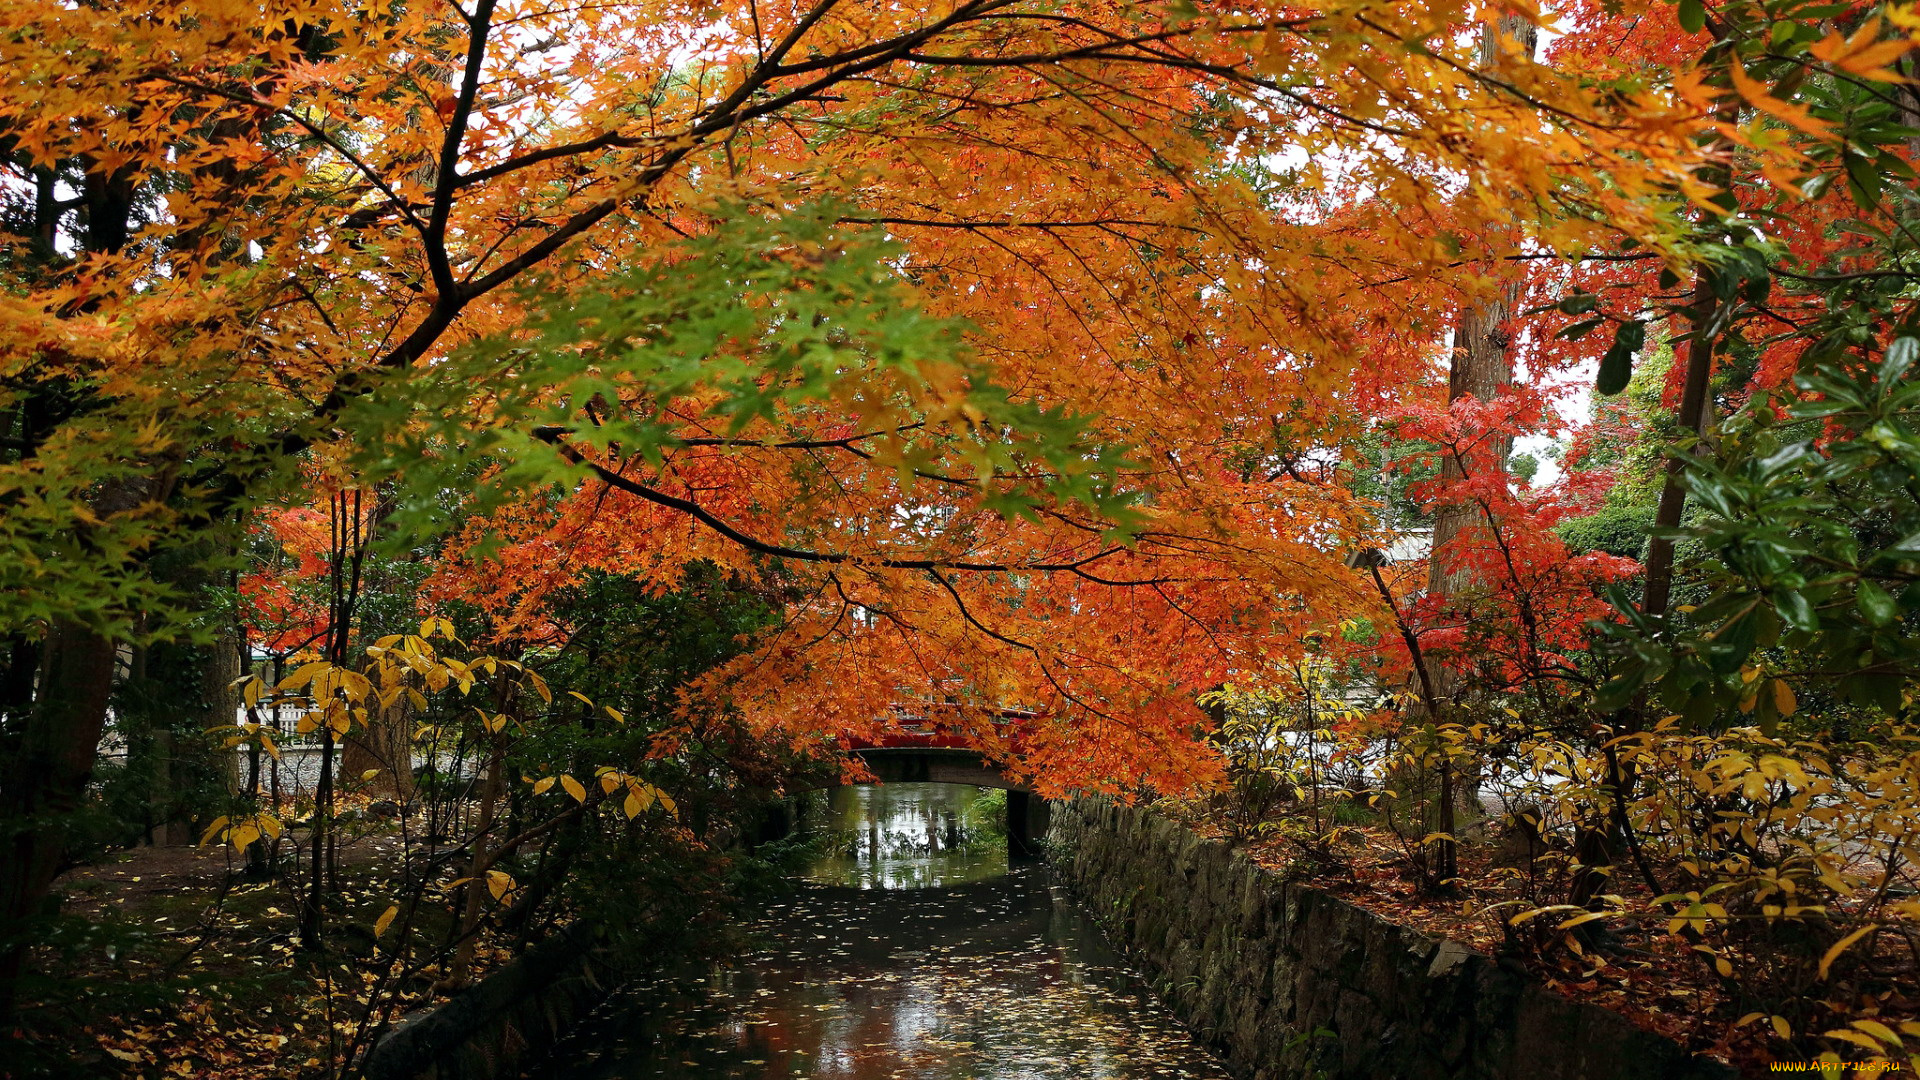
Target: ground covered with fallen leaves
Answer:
[[173, 964]]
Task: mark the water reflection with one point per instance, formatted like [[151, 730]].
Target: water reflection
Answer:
[[973, 976], [911, 836]]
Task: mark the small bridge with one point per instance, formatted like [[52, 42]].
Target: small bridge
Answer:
[[919, 751], [936, 759], [930, 759]]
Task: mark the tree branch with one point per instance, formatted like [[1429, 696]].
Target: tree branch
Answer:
[[445, 181]]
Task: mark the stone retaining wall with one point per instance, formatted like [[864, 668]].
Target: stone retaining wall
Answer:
[[489, 1030], [1288, 982]]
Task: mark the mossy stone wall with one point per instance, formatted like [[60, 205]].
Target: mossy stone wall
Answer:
[[1289, 982]]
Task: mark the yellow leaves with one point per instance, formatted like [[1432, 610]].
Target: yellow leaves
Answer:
[[242, 832], [1721, 965], [574, 788], [544, 785], [1783, 698], [1579, 917], [1756, 94], [1835, 882], [324, 681], [1582, 919], [642, 795], [1880, 1031], [218, 824], [257, 733], [500, 884], [1777, 767], [1841, 946], [150, 437], [461, 675], [1271, 56], [1696, 916], [304, 674], [242, 836], [1780, 695], [540, 687], [1854, 1037], [385, 920]]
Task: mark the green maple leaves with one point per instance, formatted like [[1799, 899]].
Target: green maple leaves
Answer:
[[761, 332]]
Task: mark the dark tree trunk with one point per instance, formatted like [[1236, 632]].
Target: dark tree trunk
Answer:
[[1696, 414], [1482, 364], [222, 671], [16, 681], [45, 782], [1482, 367], [43, 779], [384, 747]]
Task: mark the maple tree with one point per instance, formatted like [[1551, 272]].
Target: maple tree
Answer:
[[1017, 353], [1791, 327], [282, 221]]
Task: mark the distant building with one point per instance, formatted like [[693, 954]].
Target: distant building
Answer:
[[1409, 546], [1413, 545]]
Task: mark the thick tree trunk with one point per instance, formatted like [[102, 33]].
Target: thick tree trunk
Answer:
[[16, 681], [1482, 367], [1696, 412], [1482, 364], [384, 747], [223, 702], [45, 782], [44, 776], [49, 747]]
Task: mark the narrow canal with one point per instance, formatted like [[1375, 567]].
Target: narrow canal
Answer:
[[913, 950]]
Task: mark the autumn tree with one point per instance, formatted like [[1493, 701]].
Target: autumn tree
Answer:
[[990, 331]]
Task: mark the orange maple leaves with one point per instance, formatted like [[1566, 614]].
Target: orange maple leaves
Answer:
[[1226, 239]]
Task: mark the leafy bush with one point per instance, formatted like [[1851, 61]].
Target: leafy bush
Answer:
[[1616, 530]]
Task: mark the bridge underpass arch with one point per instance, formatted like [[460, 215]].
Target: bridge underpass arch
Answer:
[[1027, 814]]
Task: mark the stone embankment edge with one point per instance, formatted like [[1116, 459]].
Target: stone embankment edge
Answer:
[[1289, 982], [491, 1028]]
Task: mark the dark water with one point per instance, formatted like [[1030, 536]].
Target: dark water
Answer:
[[914, 951]]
